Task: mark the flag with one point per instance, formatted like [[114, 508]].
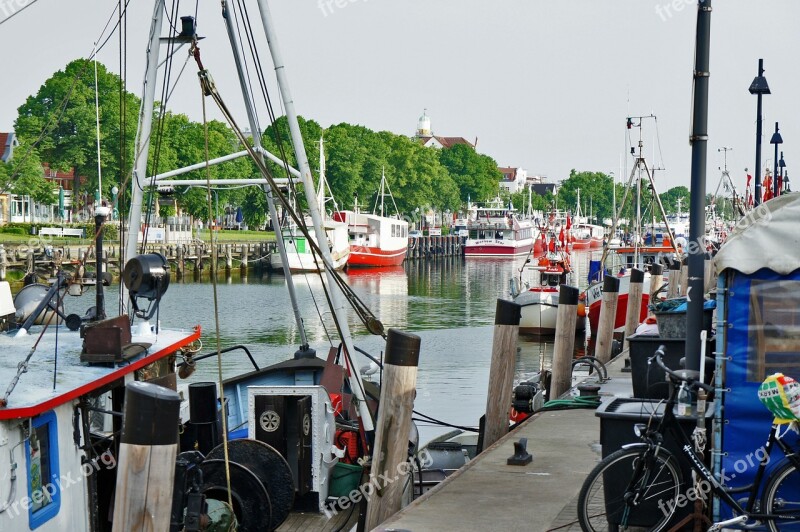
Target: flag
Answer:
[[561, 237], [749, 178], [569, 222]]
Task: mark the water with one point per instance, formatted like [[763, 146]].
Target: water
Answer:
[[450, 304]]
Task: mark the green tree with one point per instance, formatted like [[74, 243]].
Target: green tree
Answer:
[[24, 175], [670, 199], [596, 192], [63, 113], [476, 176]]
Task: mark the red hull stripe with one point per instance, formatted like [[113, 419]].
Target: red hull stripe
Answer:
[[366, 256], [35, 410]]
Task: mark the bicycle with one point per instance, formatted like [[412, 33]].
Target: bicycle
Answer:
[[642, 482]]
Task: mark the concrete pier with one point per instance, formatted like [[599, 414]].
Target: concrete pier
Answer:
[[487, 494]]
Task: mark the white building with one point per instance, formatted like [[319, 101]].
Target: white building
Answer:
[[428, 139]]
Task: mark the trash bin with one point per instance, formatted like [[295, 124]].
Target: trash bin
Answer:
[[648, 380], [617, 419]]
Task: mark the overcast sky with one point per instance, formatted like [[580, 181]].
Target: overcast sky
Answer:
[[545, 85]]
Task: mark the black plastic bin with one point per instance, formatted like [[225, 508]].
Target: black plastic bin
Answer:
[[617, 419], [649, 381]]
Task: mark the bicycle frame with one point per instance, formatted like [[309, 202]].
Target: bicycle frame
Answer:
[[669, 422]]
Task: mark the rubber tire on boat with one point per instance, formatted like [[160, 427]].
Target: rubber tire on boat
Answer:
[[250, 499], [271, 469]]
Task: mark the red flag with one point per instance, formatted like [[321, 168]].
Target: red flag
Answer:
[[767, 188], [561, 236], [569, 221]]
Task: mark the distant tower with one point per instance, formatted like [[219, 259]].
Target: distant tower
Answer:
[[424, 125]]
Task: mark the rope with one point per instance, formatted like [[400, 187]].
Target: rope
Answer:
[[214, 258], [591, 401], [363, 312]]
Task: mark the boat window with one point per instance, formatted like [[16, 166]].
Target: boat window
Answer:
[[774, 329], [552, 280], [499, 235], [41, 453]]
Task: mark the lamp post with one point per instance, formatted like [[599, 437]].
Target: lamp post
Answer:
[[114, 201], [759, 87], [776, 140], [784, 177], [418, 221]]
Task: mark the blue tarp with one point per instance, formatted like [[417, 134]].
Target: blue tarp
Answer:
[[746, 421]]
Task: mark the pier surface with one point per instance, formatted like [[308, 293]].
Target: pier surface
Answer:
[[487, 494]]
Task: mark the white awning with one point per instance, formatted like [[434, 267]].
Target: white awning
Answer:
[[768, 237]]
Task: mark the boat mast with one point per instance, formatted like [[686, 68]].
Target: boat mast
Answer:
[[273, 212], [308, 185], [699, 140], [142, 145]]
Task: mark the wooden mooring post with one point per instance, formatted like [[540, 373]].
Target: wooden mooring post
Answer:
[[684, 276], [501, 372], [564, 346], [634, 302], [147, 453], [674, 279], [393, 425], [3, 262], [656, 279], [608, 315]]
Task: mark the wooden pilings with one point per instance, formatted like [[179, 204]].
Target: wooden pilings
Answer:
[[634, 302], [394, 423], [565, 340], [608, 315], [656, 279], [433, 247], [147, 452], [674, 279], [501, 371], [684, 282]]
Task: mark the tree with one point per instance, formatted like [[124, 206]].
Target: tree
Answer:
[[24, 175], [596, 191], [63, 113], [670, 199], [476, 175]]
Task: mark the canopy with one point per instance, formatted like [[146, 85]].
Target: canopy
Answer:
[[767, 238]]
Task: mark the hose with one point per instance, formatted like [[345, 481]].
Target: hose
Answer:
[[589, 401]]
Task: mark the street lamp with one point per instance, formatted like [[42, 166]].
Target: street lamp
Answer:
[[759, 87], [775, 140], [114, 201], [784, 177]]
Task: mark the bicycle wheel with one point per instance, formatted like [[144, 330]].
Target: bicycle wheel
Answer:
[[782, 496], [623, 493]]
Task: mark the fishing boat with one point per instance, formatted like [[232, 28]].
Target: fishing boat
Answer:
[[620, 260], [584, 235], [300, 244], [300, 254], [376, 240], [497, 231], [536, 290]]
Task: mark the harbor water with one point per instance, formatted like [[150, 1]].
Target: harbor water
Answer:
[[449, 303]]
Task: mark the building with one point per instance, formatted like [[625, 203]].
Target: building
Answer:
[[20, 208], [428, 139], [514, 179]]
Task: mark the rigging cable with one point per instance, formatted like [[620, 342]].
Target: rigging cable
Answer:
[[214, 259]]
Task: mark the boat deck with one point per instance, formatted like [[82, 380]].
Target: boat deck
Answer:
[[487, 494], [301, 522], [35, 393]]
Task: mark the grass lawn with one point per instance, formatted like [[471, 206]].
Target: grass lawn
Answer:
[[204, 235]]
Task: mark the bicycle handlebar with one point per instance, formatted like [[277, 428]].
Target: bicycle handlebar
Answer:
[[658, 356]]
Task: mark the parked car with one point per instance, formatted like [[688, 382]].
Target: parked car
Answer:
[[414, 233]]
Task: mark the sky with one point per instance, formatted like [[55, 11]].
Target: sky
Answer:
[[544, 85]]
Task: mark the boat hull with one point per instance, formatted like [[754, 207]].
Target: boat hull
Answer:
[[539, 312], [368, 257], [493, 249], [594, 298]]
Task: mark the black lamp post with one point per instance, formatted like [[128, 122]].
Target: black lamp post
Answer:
[[784, 178], [759, 87], [776, 140]]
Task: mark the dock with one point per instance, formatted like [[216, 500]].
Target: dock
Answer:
[[487, 494]]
